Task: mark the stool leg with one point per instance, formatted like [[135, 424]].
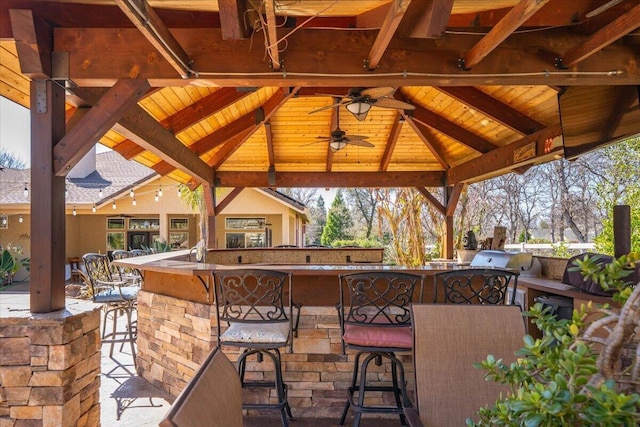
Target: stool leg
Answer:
[[351, 390], [398, 387], [131, 337]]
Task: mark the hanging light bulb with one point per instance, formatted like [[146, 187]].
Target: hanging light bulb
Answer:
[[93, 209], [178, 191], [74, 211], [4, 220], [113, 205], [131, 193], [26, 190], [20, 219], [160, 191], [156, 198], [133, 202], [100, 193], [66, 192]]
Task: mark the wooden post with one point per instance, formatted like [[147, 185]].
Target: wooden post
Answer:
[[47, 199], [621, 230], [209, 195]]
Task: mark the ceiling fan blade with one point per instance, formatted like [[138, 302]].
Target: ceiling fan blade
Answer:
[[326, 107], [360, 143], [393, 103], [378, 92], [315, 142], [357, 137]]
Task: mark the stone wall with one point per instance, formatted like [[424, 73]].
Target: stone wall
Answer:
[[50, 368], [174, 337]]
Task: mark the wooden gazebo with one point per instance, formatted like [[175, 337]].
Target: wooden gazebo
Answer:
[[235, 93]]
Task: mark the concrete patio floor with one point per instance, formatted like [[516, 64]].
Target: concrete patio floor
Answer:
[[128, 400]]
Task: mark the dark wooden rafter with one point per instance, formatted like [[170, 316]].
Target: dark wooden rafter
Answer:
[[202, 109], [615, 30], [156, 32], [34, 43], [109, 107], [460, 134], [433, 200], [306, 48], [429, 140], [228, 199], [269, 138], [426, 18], [503, 29], [391, 142], [624, 101], [333, 124], [271, 34], [501, 159], [453, 197], [269, 108], [232, 24], [138, 126], [331, 179], [128, 149], [498, 111], [397, 10]]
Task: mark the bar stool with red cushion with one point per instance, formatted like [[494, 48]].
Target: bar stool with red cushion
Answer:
[[375, 321]]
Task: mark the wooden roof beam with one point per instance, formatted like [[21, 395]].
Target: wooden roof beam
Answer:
[[390, 146], [430, 141], [618, 28], [426, 18], [232, 24], [498, 111], [506, 158], [503, 29], [34, 43], [271, 35], [331, 179], [227, 200], [109, 107], [156, 32], [453, 195], [397, 10], [433, 200]]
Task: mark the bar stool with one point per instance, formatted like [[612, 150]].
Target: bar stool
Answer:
[[256, 306], [375, 321]]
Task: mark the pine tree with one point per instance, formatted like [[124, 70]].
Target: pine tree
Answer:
[[318, 220], [339, 222]]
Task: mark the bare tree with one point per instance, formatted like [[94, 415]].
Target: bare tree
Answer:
[[363, 201]]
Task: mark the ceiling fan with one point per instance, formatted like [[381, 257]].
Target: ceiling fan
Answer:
[[360, 100], [339, 139]]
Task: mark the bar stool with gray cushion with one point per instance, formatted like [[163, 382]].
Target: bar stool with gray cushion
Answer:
[[256, 308], [116, 298], [375, 322], [475, 286]]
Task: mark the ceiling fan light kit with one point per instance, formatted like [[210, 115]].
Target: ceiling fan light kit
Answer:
[[358, 109]]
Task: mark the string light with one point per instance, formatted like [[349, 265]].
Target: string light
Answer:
[[66, 192], [113, 205], [160, 191], [131, 193], [26, 190], [74, 211], [4, 220], [93, 209], [156, 198], [100, 193], [133, 202], [20, 219]]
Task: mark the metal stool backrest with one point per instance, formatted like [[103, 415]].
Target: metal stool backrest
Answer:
[[475, 286], [139, 252], [98, 272], [119, 254], [377, 298], [253, 296]]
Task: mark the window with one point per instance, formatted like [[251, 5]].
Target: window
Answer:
[[115, 223], [144, 224], [179, 240], [245, 223], [245, 240], [115, 241], [179, 224]]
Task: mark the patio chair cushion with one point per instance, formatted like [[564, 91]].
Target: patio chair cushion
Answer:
[[115, 295], [257, 332], [378, 336]]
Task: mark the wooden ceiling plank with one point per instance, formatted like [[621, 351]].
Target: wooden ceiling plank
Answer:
[[503, 29], [34, 43], [140, 127], [463, 136], [105, 113], [202, 109], [232, 14], [430, 141], [618, 28], [433, 200], [392, 140], [397, 10], [502, 159], [272, 36], [624, 101], [498, 111], [331, 179], [426, 18], [228, 199], [156, 32], [308, 47]]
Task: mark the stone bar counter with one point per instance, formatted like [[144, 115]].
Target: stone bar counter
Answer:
[[177, 322]]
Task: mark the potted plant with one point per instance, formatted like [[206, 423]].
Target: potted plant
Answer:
[[582, 372], [11, 261]]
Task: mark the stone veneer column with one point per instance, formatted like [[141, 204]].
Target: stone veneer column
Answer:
[[50, 367]]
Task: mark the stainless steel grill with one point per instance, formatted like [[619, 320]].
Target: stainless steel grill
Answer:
[[524, 262]]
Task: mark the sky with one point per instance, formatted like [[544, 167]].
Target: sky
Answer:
[[15, 136]]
